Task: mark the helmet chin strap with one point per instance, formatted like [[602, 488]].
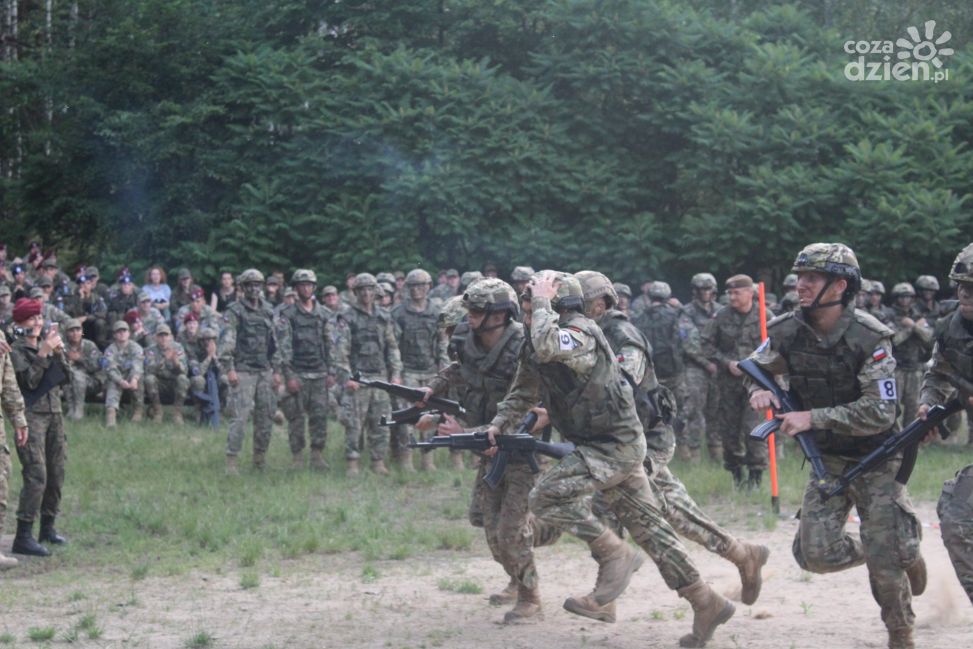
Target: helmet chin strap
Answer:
[[817, 304]]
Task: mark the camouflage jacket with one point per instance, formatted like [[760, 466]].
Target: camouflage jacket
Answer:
[[911, 344], [125, 363], [373, 349], [11, 400], [732, 336], [248, 341], [161, 367], [207, 317], [308, 346], [420, 345], [91, 357], [952, 361]]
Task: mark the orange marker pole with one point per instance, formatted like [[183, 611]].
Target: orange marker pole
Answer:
[[771, 441]]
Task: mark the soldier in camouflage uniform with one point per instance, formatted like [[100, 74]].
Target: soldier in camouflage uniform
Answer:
[[89, 308], [6, 305], [654, 407], [519, 278], [701, 372], [951, 375], [568, 364], [246, 351], [42, 457], [123, 300], [624, 296], [85, 369], [423, 353], [445, 291], [166, 368], [125, 365], [49, 311], [838, 361], [11, 406], [208, 317], [151, 319], [729, 338], [876, 293], [374, 353], [926, 305], [911, 346], [311, 364]]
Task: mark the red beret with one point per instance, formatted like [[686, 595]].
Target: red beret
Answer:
[[197, 292], [190, 316], [26, 308], [131, 317]]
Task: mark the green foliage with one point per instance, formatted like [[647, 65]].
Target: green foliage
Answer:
[[638, 137]]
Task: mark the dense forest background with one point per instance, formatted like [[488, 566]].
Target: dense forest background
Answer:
[[640, 137]]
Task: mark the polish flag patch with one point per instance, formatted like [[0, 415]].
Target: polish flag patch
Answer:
[[879, 355]]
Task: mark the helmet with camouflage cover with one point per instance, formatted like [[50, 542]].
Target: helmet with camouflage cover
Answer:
[[903, 289], [595, 285], [623, 290], [962, 269], [835, 260], [866, 286], [452, 313], [790, 282], [469, 277], [875, 286], [790, 300], [490, 294], [417, 276], [386, 288], [303, 275], [250, 276], [704, 281], [569, 293], [365, 280], [660, 291], [927, 283], [521, 274], [388, 278]]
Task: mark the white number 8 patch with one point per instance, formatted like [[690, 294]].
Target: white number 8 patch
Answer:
[[886, 389]]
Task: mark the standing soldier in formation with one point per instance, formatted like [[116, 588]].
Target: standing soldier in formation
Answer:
[[624, 296], [926, 305], [166, 368], [731, 336], [951, 375], [11, 406], [447, 290], [423, 352], [838, 361], [86, 371], [374, 353], [311, 364], [519, 278], [125, 365], [701, 399], [911, 345], [246, 351], [42, 458], [876, 293]]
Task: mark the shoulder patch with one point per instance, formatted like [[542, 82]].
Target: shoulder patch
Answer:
[[565, 340], [879, 354]]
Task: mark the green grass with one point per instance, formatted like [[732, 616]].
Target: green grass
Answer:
[[249, 580], [41, 634], [201, 640], [7, 638], [462, 586]]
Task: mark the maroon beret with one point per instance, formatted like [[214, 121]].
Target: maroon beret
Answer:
[[26, 308]]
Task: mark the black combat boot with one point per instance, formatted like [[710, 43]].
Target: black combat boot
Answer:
[[756, 476], [48, 533], [737, 472], [24, 542]]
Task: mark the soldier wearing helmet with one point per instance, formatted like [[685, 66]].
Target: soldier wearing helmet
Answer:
[[423, 353], [951, 376], [449, 288], [568, 364], [519, 278], [838, 362], [311, 362], [374, 352], [911, 346], [876, 293], [927, 286], [701, 392], [790, 282], [729, 338], [246, 356], [624, 293]]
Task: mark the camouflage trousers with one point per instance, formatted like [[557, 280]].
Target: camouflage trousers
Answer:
[[679, 509], [310, 403], [83, 386], [362, 411], [562, 499], [735, 419], [253, 393], [907, 382], [5, 468], [700, 411], [956, 518], [402, 433], [677, 386], [506, 521], [177, 386], [114, 394], [42, 461], [889, 537]]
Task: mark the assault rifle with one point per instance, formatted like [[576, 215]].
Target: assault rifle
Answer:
[[412, 414], [908, 439], [520, 442], [789, 402]]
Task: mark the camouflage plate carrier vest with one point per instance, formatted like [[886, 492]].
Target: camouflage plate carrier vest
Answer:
[[828, 377], [417, 346], [954, 336], [660, 323], [912, 353], [487, 375], [254, 336], [310, 353], [368, 340], [599, 408]]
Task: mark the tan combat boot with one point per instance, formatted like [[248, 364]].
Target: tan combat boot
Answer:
[[588, 607], [156, 413], [318, 462], [917, 576], [710, 609], [528, 606], [259, 461], [901, 639], [352, 469], [428, 462], [231, 467], [378, 467], [6, 562], [177, 416], [137, 413], [457, 460], [297, 461], [749, 558], [404, 460], [111, 417], [617, 562], [506, 596]]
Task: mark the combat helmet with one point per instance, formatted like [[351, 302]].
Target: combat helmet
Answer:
[[903, 289], [469, 277], [303, 275], [962, 270], [569, 292], [876, 286], [622, 289], [418, 276], [452, 313], [365, 280], [790, 282], [388, 278], [927, 283], [250, 276], [835, 260], [660, 291], [704, 281], [490, 294], [595, 285], [521, 274]]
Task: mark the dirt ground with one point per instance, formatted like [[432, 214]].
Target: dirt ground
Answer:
[[325, 601]]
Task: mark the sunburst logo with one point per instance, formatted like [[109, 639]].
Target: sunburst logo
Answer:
[[924, 48]]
